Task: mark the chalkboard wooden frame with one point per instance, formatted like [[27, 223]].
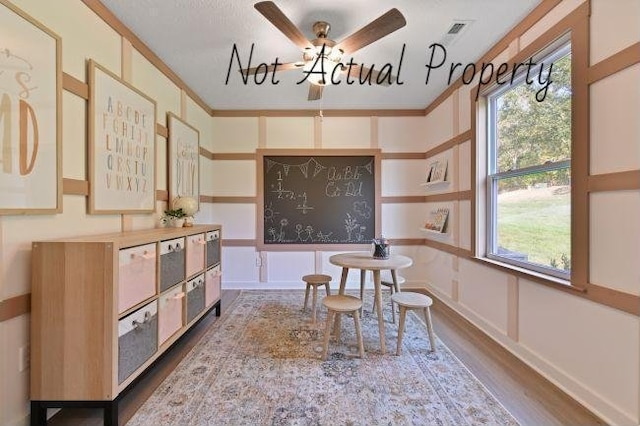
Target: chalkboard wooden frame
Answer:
[[344, 153]]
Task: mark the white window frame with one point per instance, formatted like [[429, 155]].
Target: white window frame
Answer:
[[549, 55]]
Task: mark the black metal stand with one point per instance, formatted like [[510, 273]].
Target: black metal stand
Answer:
[[110, 415]]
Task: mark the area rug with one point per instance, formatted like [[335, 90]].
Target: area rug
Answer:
[[259, 364]]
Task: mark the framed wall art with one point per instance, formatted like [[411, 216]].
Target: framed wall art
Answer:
[[30, 115], [122, 145], [184, 159]]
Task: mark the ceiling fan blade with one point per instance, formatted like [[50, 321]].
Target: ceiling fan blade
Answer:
[[375, 30], [270, 11], [358, 72], [269, 68], [315, 92]]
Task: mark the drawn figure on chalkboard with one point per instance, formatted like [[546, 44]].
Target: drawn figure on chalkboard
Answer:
[[362, 208], [299, 231], [283, 223], [304, 207], [350, 224], [324, 238], [272, 232], [269, 213], [309, 230], [360, 234]]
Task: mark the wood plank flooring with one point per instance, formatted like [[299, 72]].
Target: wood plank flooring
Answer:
[[532, 399]]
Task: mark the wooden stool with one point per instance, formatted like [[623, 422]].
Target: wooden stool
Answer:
[[342, 304], [315, 280], [410, 300]]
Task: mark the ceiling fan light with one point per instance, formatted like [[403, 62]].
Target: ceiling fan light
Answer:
[[314, 71]]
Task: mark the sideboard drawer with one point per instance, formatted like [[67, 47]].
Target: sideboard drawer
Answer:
[[170, 313], [195, 254], [212, 285], [213, 248], [195, 297], [172, 262], [137, 339], [137, 275]]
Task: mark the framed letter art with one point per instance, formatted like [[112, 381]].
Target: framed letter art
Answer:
[[184, 160], [122, 146], [30, 115]]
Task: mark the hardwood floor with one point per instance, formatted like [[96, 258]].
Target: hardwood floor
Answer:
[[532, 399]]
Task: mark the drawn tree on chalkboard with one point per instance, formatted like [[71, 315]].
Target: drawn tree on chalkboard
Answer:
[[319, 199]]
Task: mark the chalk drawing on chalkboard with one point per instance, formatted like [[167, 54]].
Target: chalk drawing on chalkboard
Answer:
[[304, 233], [304, 168], [362, 208], [280, 190], [304, 208], [269, 213]]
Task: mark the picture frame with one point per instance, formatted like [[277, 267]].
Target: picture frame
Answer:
[[437, 220], [437, 171], [122, 145], [183, 154], [30, 115]]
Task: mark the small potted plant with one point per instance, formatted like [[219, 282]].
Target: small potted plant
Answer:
[[174, 218]]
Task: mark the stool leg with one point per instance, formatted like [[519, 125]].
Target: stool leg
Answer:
[[313, 306], [356, 320], [393, 308], [363, 276], [403, 314], [327, 334], [337, 326], [432, 339], [306, 297], [328, 290]]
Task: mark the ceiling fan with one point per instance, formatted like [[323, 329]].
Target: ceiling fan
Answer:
[[321, 55]]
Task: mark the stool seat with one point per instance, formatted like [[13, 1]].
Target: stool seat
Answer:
[[315, 280], [408, 300], [336, 305], [412, 300], [342, 303]]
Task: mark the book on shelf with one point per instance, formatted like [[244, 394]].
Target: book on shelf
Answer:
[[437, 220], [437, 171]]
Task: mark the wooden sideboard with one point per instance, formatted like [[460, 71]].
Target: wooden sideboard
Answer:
[[105, 307]]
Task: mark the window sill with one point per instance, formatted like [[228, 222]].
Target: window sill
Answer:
[[530, 275]]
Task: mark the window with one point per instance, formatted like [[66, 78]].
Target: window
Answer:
[[529, 167]]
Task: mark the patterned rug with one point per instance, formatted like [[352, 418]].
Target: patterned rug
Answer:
[[259, 364]]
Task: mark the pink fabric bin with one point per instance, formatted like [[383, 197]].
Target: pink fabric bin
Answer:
[[195, 254], [170, 313], [212, 285], [137, 275]]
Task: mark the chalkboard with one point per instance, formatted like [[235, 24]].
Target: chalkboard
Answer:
[[319, 199]]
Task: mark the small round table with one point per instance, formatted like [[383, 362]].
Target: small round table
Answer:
[[366, 262]]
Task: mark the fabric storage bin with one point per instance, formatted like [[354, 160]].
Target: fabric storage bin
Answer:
[[195, 254], [172, 262], [136, 275], [213, 248], [137, 339], [170, 308], [212, 285], [195, 297]]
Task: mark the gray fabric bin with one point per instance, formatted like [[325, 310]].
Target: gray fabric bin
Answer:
[[172, 263], [195, 297], [213, 248], [137, 339]]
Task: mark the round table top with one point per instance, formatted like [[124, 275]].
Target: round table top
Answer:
[[364, 260]]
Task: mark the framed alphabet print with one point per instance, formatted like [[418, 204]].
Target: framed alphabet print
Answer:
[[122, 146], [184, 159], [30, 115]]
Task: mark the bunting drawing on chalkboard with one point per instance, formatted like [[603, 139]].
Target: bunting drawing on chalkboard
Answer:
[[306, 166]]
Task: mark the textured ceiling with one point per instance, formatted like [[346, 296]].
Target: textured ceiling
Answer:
[[195, 39]]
